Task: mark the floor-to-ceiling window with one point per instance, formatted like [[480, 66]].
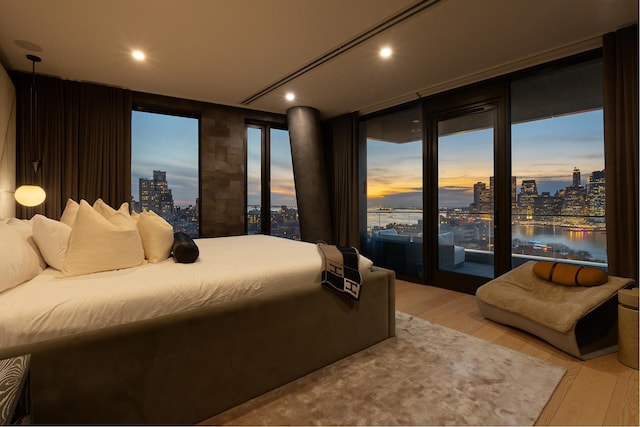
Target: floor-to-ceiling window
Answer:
[[465, 224], [393, 237], [513, 171], [557, 145], [271, 196], [165, 168]]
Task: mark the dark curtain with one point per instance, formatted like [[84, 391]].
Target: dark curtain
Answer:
[[343, 185], [83, 137], [47, 134], [620, 85], [104, 144]]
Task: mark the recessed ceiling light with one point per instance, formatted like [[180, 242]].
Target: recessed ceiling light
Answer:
[[385, 52], [137, 54], [290, 96]]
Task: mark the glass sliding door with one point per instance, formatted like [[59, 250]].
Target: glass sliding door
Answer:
[[393, 234], [466, 193]]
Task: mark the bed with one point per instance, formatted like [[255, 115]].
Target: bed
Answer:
[[170, 343]]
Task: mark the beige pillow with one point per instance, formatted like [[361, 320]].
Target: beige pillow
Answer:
[[70, 212], [104, 209], [25, 227], [157, 236], [100, 244], [52, 238], [18, 260]]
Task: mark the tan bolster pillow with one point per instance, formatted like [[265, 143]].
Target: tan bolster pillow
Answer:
[[569, 275]]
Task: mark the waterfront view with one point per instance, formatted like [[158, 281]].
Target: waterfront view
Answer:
[[556, 184], [566, 224], [560, 241]]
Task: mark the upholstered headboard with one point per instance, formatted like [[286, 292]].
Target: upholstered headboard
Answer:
[[7, 145]]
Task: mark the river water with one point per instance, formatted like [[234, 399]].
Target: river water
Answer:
[[593, 242]]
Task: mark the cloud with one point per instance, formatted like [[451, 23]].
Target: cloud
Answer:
[[397, 200]]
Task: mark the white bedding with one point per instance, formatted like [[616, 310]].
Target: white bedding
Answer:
[[49, 307]]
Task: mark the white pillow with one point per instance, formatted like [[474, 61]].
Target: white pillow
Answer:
[[107, 211], [18, 260], [100, 244], [104, 209], [52, 238], [157, 236], [25, 227], [70, 212]]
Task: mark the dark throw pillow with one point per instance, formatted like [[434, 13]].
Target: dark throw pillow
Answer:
[[184, 248]]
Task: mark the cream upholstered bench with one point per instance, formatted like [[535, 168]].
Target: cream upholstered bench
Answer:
[[581, 321]]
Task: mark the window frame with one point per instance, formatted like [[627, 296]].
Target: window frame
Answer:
[[495, 91], [142, 104], [265, 172]]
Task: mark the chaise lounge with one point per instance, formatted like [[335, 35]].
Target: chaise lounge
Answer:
[[582, 321]]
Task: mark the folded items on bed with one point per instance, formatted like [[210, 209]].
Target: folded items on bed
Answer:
[[340, 272]]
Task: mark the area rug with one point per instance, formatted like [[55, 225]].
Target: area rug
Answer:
[[426, 375]]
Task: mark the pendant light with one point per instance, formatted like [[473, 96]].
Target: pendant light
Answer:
[[32, 195]]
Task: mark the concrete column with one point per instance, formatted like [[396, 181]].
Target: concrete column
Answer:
[[310, 174]]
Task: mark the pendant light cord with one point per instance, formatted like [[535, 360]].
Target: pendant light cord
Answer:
[[35, 159]]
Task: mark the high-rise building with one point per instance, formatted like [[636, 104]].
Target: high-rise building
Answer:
[[545, 205], [527, 198], [155, 194], [478, 188], [596, 195], [576, 177], [573, 200], [482, 197]]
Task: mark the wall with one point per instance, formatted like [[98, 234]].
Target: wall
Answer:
[[7, 145]]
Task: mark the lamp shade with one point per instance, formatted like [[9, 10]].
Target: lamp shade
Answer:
[[30, 195]]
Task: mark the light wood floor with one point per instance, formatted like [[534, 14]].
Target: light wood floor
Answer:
[[600, 391]]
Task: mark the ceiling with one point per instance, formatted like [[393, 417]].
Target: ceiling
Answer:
[[249, 53]]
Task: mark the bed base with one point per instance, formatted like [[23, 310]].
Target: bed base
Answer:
[[185, 368]]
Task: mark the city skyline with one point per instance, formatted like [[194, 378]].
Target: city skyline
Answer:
[[545, 150], [168, 143]]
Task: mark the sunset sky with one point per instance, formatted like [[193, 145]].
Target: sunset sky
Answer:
[[170, 143], [282, 183], [544, 150]]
